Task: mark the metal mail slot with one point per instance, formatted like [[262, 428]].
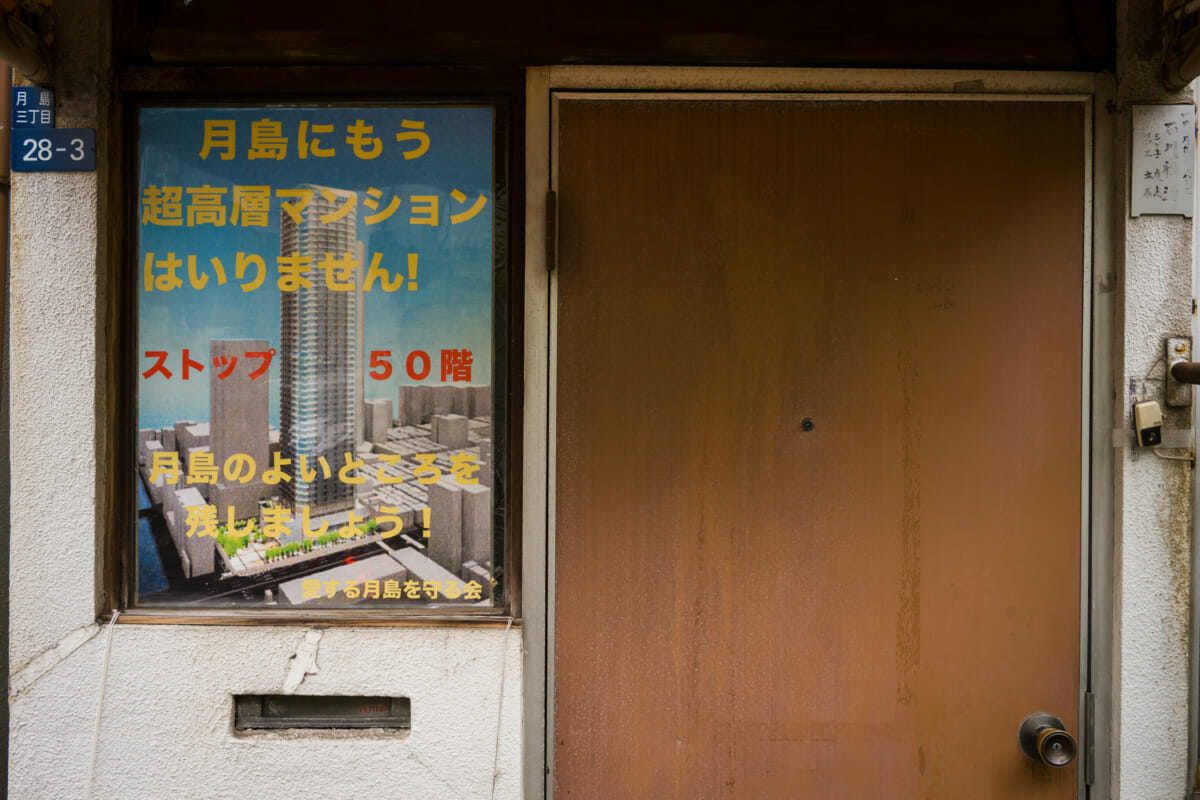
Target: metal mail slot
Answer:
[[273, 711]]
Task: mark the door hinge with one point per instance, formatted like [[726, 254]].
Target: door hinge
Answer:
[[551, 231], [1089, 738]]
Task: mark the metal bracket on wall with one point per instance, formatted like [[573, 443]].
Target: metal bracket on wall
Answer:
[[1172, 439], [1178, 393]]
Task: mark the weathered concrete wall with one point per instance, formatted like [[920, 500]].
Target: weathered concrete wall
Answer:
[[52, 330], [1153, 495], [166, 725]]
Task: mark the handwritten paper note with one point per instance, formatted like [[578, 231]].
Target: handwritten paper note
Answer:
[[1163, 164]]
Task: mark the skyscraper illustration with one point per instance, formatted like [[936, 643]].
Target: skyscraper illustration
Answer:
[[320, 392]]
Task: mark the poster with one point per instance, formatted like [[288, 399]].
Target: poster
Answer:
[[315, 340]]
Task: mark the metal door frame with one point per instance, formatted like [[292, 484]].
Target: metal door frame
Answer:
[[1102, 200]]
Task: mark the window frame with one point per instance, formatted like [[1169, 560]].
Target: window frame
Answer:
[[140, 87]]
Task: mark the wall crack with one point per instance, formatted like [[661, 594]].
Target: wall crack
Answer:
[[304, 661], [47, 660]]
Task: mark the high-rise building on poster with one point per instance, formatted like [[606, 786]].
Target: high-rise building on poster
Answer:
[[238, 424], [320, 396]]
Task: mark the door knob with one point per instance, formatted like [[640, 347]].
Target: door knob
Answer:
[[1044, 738], [1186, 371]]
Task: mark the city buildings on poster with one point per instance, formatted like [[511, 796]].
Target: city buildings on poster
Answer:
[[337, 535], [325, 466], [446, 551]]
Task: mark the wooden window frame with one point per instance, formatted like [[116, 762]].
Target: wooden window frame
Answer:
[[139, 87]]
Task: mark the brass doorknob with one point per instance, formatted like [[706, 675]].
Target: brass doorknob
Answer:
[[1044, 738]]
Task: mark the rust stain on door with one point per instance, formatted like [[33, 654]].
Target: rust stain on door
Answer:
[[908, 618]]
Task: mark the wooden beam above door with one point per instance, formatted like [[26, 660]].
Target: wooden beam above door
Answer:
[[1067, 34]]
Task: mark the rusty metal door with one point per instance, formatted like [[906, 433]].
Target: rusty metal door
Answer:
[[818, 446]]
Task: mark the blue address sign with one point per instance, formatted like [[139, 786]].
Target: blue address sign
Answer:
[[54, 150]]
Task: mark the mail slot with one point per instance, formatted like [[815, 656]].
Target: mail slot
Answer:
[[274, 711]]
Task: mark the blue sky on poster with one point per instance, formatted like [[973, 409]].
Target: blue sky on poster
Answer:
[[452, 307]]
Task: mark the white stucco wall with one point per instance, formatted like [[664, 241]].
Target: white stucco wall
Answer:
[[1152, 549], [1152, 576], [167, 731], [166, 726]]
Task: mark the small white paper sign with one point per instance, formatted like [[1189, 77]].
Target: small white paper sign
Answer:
[[1164, 159]]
